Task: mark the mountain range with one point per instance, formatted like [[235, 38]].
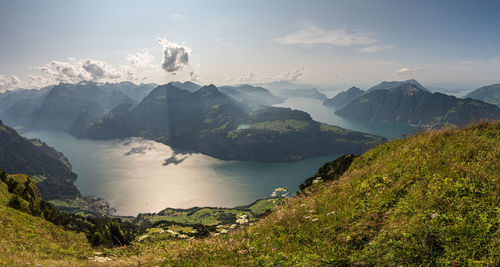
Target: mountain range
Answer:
[[211, 122], [410, 104]]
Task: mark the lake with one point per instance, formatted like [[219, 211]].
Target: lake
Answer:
[[327, 115], [136, 175]]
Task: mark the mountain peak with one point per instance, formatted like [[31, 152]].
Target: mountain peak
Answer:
[[408, 89], [385, 85]]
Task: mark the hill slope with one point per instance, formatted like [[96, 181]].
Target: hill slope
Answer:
[[343, 98], [51, 170], [26, 239], [432, 199]]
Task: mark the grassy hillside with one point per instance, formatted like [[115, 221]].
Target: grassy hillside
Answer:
[[431, 199], [26, 239]]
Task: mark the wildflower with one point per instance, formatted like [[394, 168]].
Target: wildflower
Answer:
[[101, 259], [434, 215], [280, 189], [274, 194], [224, 231], [232, 226], [243, 251], [242, 219], [172, 232], [273, 249], [182, 236], [317, 180], [315, 219], [217, 234], [302, 205], [307, 217], [142, 237], [330, 213], [310, 211], [251, 248]]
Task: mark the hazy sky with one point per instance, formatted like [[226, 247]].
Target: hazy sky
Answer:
[[331, 44]]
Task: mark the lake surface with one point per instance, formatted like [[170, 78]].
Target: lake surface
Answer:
[[136, 175], [327, 115]]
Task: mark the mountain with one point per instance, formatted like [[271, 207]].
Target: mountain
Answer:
[[15, 106], [251, 94], [489, 94], [135, 91], [343, 98], [67, 107], [210, 122], [395, 84], [428, 200], [50, 169], [189, 86], [412, 105], [310, 93]]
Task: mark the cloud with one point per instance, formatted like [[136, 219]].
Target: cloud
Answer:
[[140, 59], [375, 48], [73, 71], [193, 76], [176, 16], [8, 82], [291, 75], [406, 71], [312, 34], [175, 56], [247, 77]]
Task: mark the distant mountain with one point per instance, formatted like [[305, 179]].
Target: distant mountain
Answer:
[[251, 94], [50, 169], [135, 91], [412, 105], [309, 93], [395, 84], [489, 94], [210, 122], [16, 105], [344, 97], [67, 107]]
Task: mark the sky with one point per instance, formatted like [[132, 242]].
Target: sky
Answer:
[[450, 45]]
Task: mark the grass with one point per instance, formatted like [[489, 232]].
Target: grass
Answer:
[[429, 200]]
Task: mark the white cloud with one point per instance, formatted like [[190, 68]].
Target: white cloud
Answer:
[[375, 48], [247, 77], [73, 71], [406, 71], [8, 82], [175, 56], [291, 75], [140, 59], [176, 16], [312, 34]]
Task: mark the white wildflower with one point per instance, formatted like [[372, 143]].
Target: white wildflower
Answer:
[[142, 237], [232, 226], [224, 231]]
